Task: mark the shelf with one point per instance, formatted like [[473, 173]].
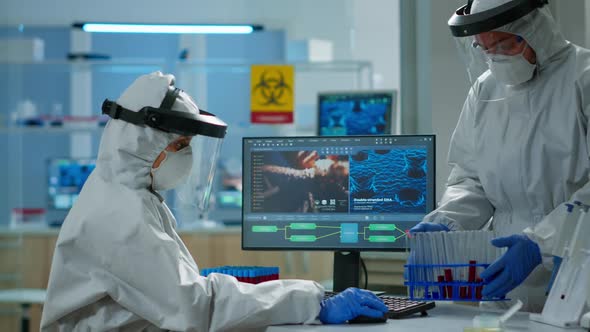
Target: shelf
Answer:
[[49, 130], [352, 66], [191, 67], [113, 62], [139, 64], [121, 66]]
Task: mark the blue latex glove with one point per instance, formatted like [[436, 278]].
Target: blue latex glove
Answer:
[[429, 227], [349, 304], [510, 270]]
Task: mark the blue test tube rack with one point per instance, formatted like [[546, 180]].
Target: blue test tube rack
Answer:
[[248, 274], [448, 286]]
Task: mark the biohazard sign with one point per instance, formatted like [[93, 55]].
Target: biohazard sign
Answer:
[[272, 94]]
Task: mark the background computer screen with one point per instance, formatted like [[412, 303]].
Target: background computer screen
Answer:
[[355, 113], [335, 193], [66, 178]]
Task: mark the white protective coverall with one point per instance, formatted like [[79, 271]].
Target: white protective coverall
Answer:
[[516, 159], [119, 263]]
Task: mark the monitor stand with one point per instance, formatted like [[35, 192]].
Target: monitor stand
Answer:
[[346, 270]]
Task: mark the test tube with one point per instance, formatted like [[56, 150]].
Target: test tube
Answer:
[[441, 289], [449, 278], [471, 278], [478, 289]]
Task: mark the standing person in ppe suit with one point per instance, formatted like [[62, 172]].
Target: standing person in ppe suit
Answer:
[[119, 263], [521, 146]]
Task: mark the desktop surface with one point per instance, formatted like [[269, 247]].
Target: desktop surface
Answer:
[[445, 317], [335, 193]]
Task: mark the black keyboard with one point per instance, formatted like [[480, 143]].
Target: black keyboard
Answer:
[[400, 307]]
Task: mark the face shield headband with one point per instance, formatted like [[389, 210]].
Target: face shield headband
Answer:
[[464, 24], [167, 120]]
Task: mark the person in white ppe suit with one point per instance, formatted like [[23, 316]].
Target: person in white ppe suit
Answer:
[[521, 145], [119, 263]]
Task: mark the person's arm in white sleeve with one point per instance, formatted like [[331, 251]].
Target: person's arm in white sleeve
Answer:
[[544, 232], [149, 276], [464, 204]]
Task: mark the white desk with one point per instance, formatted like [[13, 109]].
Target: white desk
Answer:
[[445, 317]]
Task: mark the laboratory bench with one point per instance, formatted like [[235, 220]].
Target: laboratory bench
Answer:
[[26, 254], [445, 317]]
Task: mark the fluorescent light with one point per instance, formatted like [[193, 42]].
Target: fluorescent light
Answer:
[[167, 28]]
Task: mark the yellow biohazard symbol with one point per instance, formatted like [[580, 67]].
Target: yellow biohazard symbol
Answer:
[[272, 88]]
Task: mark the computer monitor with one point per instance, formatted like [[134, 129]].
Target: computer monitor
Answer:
[[356, 113], [66, 177], [342, 194]]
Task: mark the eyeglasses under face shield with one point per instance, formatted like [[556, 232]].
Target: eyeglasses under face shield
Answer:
[[482, 36]]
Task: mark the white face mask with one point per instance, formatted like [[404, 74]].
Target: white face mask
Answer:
[[511, 69], [173, 170]]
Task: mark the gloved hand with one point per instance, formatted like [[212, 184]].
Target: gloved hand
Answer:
[[510, 270], [429, 227], [349, 304]]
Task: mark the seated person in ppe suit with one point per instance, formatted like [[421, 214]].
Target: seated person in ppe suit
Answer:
[[119, 263], [521, 146]]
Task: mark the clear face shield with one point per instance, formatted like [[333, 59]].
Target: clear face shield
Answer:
[[195, 192], [494, 48], [189, 167]]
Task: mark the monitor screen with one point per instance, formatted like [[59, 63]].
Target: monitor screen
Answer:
[[66, 178], [355, 113], [335, 193]]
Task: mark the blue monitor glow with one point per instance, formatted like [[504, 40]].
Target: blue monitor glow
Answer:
[[65, 179], [345, 194], [356, 113]]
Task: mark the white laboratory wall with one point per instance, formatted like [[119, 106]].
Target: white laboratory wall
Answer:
[[375, 36], [441, 79]]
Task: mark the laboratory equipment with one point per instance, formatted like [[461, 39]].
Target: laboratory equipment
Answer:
[[249, 274], [342, 194], [26, 114], [356, 113], [568, 295], [440, 268], [489, 322], [66, 177], [24, 217]]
